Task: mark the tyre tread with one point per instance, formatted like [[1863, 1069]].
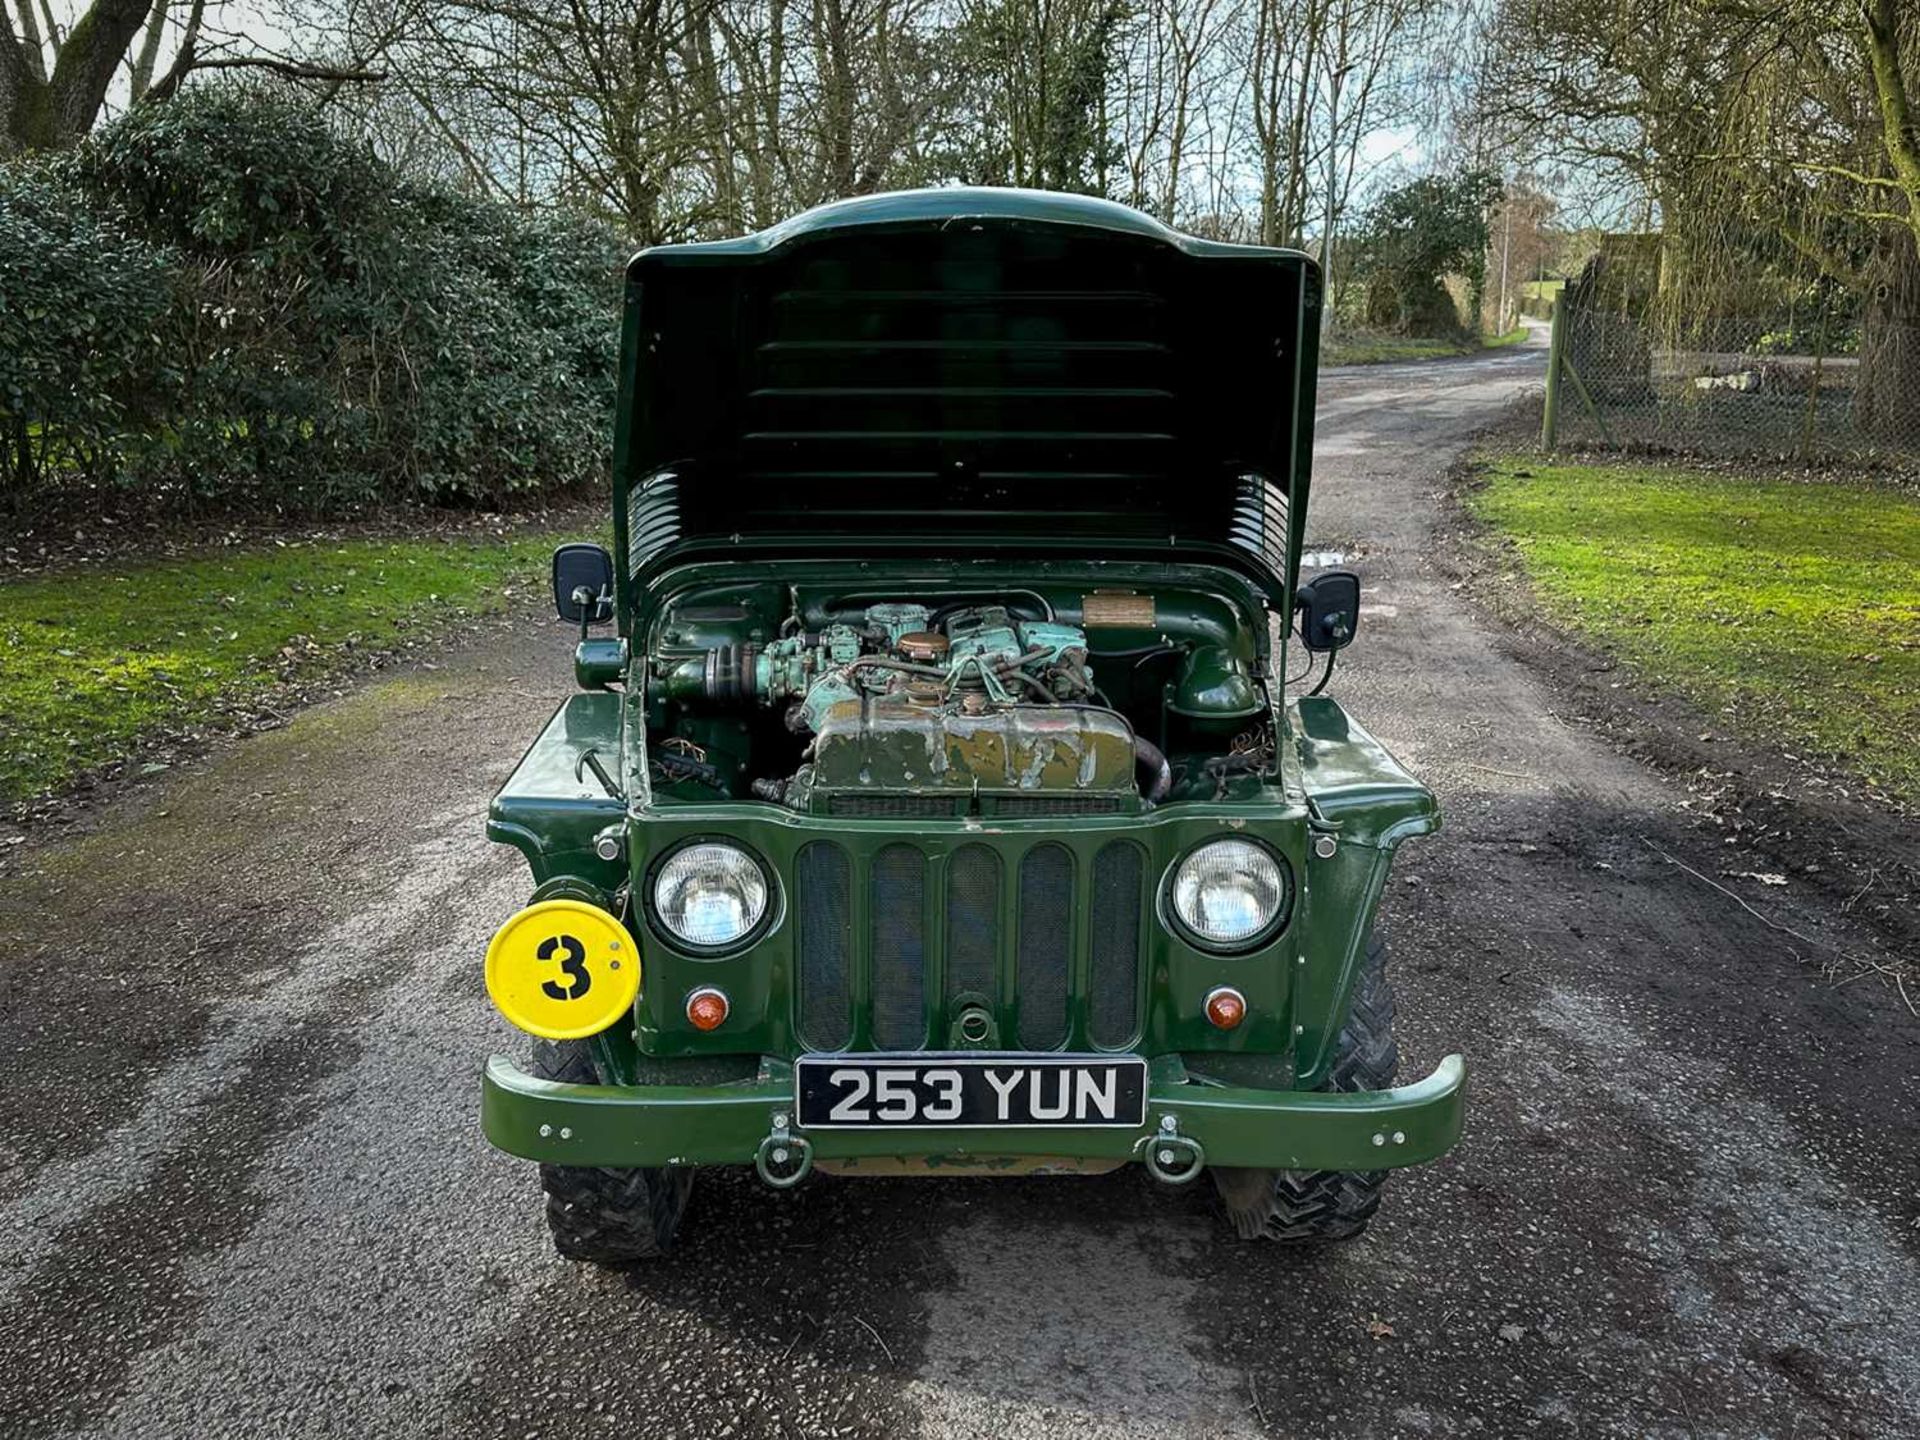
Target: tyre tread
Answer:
[[598, 1214], [1314, 1206]]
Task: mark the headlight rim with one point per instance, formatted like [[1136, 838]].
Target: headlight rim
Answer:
[[672, 939], [1232, 949]]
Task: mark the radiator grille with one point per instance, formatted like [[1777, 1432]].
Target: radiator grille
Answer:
[[1046, 945], [899, 948], [1114, 945], [821, 895], [973, 921], [885, 946]]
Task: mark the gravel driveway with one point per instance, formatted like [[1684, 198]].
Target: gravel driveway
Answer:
[[243, 1191]]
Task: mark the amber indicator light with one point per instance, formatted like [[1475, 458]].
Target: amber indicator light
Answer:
[[706, 1009], [1226, 1007]]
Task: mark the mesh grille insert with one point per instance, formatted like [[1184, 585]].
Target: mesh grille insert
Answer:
[[899, 948], [1046, 945], [821, 896], [973, 921], [1114, 933], [892, 807], [1019, 807]]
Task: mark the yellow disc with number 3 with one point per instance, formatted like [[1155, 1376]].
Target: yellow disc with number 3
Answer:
[[563, 969]]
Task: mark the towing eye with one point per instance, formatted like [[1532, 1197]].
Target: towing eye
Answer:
[[783, 1159], [1173, 1158]]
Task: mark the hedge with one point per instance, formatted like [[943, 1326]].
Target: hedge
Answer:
[[222, 301]]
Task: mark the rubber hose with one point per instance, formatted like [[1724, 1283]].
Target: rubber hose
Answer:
[[1156, 774]]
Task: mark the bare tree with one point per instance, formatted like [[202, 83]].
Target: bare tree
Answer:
[[56, 78], [688, 118], [1761, 138]]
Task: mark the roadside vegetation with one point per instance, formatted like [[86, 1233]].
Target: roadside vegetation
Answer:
[[226, 303], [1788, 610], [223, 310], [1369, 347], [95, 667]]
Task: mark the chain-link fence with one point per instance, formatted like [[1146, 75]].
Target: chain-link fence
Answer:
[[1739, 388]]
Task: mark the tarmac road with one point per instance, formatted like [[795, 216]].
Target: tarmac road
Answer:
[[242, 1189]]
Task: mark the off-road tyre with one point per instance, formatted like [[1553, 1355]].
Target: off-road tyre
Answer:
[[606, 1216], [1316, 1206]]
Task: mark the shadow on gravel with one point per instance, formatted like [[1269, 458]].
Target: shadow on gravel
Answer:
[[1678, 1204], [117, 1280], [794, 1313]]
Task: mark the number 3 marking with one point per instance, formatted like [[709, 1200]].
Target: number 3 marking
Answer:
[[575, 967]]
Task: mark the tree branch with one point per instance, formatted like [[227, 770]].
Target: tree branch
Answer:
[[1896, 106], [1811, 167], [29, 42], [183, 58], [149, 53], [291, 69], [84, 67]]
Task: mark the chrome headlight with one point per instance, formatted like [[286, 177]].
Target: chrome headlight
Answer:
[[1229, 894], [709, 896]]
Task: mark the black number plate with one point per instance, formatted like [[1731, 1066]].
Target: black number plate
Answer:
[[969, 1091]]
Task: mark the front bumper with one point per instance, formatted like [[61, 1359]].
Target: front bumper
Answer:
[[1189, 1125]]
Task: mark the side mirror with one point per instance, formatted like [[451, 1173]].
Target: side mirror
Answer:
[[1328, 607], [578, 568]]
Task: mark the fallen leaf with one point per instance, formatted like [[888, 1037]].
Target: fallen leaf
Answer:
[[1379, 1329]]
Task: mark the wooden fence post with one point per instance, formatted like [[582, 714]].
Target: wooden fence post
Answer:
[[1556, 354]]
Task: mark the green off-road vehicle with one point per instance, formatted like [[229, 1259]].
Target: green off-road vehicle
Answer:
[[936, 806]]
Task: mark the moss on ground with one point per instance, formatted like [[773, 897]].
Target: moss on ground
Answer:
[[1791, 609], [1374, 348], [93, 665], [1369, 349]]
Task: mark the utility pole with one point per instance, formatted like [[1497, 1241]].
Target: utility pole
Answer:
[[1327, 315], [1506, 246]]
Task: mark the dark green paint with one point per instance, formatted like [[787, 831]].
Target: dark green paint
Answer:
[[724, 1124], [599, 663], [1335, 779], [1036, 372], [1331, 787]]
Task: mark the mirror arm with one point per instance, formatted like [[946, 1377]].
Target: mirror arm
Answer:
[[1326, 674]]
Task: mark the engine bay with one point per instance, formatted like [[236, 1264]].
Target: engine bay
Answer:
[[1009, 703]]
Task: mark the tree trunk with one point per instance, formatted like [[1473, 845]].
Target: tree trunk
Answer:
[[53, 113], [1886, 403]]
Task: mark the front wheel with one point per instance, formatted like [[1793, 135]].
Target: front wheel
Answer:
[[1307, 1206], [606, 1216]]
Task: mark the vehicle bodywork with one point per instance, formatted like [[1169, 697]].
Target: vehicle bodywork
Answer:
[[1052, 435]]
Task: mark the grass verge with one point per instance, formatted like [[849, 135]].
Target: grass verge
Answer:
[[1364, 347], [94, 666], [1789, 608]]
